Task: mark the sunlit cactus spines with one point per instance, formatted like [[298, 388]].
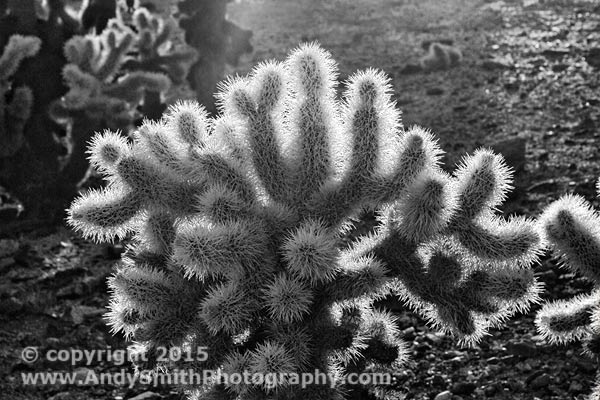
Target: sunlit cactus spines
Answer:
[[571, 229], [240, 229], [15, 112]]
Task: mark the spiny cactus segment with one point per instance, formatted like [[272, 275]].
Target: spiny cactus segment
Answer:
[[239, 224], [15, 112], [571, 228]]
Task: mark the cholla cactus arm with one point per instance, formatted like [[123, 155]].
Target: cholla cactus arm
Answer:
[[16, 50], [258, 106], [245, 215], [117, 45], [482, 183], [570, 227], [14, 114], [568, 320], [452, 258]]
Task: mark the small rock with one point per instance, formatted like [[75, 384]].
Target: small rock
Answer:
[[450, 354], [62, 396], [497, 63], [434, 338], [490, 390], [512, 85], [540, 382], [555, 54], [523, 366], [423, 347], [560, 67], [593, 57], [445, 395], [438, 381], [146, 396], [83, 374], [575, 387], [463, 388], [409, 333]]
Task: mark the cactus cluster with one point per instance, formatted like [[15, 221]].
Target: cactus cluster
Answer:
[[110, 75], [240, 226], [571, 228], [15, 103]]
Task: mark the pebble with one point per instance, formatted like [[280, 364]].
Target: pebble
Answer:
[[497, 63], [438, 381], [434, 338], [445, 395], [463, 388], [452, 354], [409, 333], [146, 396], [575, 387], [490, 390], [540, 382]]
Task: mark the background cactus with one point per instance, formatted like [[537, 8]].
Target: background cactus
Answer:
[[15, 112], [570, 227], [239, 223], [440, 56], [117, 78]]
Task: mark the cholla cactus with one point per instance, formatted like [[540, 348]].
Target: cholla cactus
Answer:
[[440, 56], [97, 86], [155, 50], [110, 75], [239, 221], [15, 112], [572, 229]]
